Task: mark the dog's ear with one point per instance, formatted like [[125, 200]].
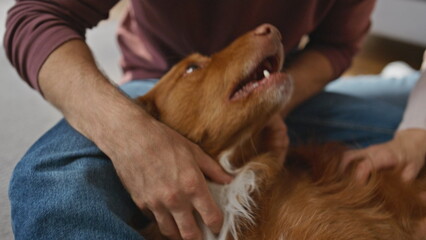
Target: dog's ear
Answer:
[[147, 102]]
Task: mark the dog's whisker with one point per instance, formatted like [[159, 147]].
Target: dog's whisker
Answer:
[[254, 146]]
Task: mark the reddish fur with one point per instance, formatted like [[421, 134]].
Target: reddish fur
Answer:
[[322, 204], [306, 199]]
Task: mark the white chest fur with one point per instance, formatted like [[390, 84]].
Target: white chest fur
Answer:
[[234, 199]]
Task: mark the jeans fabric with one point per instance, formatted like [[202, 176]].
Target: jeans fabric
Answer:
[[66, 188]]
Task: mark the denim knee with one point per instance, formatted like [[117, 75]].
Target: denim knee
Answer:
[[348, 119], [66, 188]]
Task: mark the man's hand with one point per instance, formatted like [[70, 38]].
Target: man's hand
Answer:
[[407, 150], [163, 172], [274, 137]]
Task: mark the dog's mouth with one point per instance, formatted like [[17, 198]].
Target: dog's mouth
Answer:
[[261, 75]]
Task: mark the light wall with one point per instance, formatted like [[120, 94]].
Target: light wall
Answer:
[[403, 20]]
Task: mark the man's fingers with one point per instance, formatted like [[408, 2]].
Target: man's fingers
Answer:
[[209, 212], [275, 137], [277, 141], [166, 224], [213, 170], [186, 224]]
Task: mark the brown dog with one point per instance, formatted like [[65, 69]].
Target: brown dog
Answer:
[[222, 102]]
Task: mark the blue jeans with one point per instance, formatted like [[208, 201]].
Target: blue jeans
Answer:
[[359, 111], [66, 188]]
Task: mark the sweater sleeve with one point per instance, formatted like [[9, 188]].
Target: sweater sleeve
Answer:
[[415, 112], [34, 29], [339, 35]]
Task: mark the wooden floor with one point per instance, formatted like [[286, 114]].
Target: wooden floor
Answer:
[[378, 51]]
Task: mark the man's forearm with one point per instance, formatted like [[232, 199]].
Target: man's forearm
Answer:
[[71, 81], [311, 71], [132, 139]]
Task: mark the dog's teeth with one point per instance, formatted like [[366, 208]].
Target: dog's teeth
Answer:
[[266, 73]]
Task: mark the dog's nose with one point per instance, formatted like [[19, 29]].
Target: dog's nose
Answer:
[[265, 30]]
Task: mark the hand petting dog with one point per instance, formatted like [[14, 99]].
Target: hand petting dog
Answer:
[[169, 181], [407, 150]]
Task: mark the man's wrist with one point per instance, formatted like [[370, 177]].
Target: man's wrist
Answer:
[[310, 71]]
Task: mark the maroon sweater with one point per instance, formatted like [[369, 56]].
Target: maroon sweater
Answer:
[[155, 34]]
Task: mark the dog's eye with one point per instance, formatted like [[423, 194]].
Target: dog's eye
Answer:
[[191, 68]]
